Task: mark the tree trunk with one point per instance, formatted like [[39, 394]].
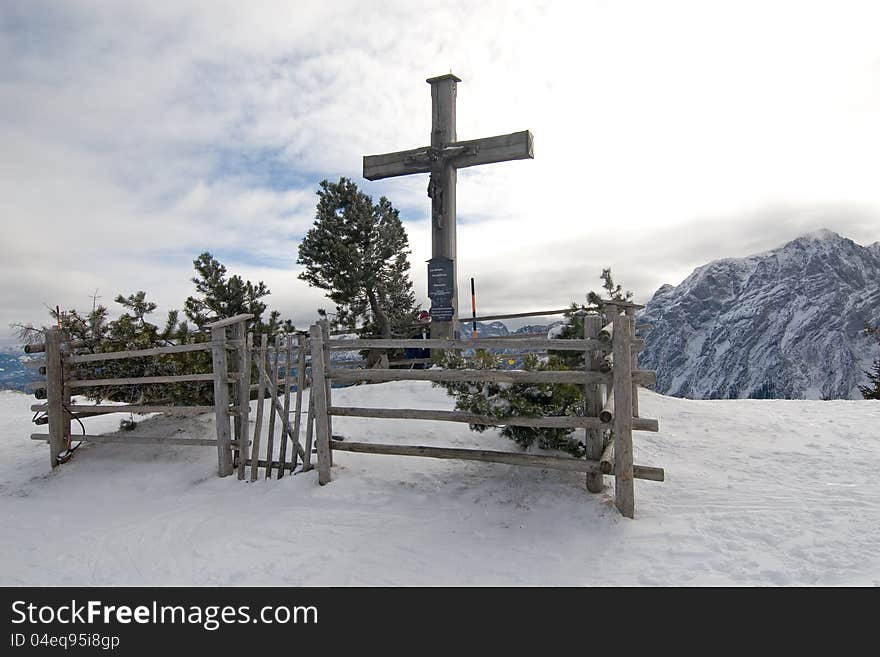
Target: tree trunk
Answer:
[[378, 358]]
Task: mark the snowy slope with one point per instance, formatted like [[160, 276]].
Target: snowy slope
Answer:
[[782, 324], [768, 492]]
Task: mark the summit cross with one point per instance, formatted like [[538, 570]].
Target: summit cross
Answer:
[[441, 160]]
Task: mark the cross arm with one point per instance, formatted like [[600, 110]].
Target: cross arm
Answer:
[[402, 163], [515, 146]]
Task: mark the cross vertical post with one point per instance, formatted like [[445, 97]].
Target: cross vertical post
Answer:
[[442, 160], [441, 189]]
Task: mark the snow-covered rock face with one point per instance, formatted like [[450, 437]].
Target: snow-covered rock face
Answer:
[[782, 324]]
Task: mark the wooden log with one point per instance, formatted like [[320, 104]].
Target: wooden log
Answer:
[[593, 436], [319, 394], [537, 313], [310, 426], [142, 380], [643, 377], [558, 422], [34, 364], [55, 394], [221, 401], [630, 313], [510, 458], [262, 354], [607, 412], [300, 385], [406, 361], [239, 332], [624, 497], [515, 336], [649, 473], [325, 342], [229, 321], [140, 353], [272, 385], [285, 417], [479, 343], [137, 440], [505, 376], [606, 461], [41, 347], [104, 409]]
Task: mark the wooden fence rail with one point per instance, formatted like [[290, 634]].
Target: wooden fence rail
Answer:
[[609, 375], [59, 385], [298, 362]]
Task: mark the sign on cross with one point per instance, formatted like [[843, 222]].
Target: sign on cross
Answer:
[[441, 160]]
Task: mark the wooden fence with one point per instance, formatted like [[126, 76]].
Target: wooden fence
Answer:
[[610, 377], [233, 367]]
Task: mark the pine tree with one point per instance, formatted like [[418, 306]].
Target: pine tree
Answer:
[[872, 390], [220, 297], [534, 400], [518, 399], [357, 251], [612, 292], [574, 317]]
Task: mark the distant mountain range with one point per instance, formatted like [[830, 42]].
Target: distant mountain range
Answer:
[[787, 323], [13, 374], [782, 324]]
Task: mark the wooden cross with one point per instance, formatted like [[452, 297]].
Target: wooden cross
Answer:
[[442, 159]]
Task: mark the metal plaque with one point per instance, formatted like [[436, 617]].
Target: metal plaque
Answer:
[[441, 313], [441, 281]]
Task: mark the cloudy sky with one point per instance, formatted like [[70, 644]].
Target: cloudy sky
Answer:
[[136, 135]]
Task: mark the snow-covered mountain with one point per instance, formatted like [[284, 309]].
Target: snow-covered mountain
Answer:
[[782, 324], [13, 374]]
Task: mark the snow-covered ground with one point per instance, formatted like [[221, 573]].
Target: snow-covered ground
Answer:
[[763, 492]]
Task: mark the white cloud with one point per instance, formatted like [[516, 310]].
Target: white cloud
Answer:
[[137, 135]]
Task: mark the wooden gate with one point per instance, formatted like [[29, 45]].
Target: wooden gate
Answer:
[[233, 367]]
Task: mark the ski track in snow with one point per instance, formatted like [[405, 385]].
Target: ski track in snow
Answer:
[[767, 492]]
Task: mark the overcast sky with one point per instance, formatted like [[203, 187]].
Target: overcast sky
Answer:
[[136, 135]]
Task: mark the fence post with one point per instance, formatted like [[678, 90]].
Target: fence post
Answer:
[[319, 394], [328, 388], [261, 396], [285, 417], [300, 384], [221, 400], [310, 427], [623, 387], [58, 416], [593, 438], [243, 338], [272, 385], [630, 313]]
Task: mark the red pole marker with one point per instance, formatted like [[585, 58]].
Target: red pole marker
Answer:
[[474, 308]]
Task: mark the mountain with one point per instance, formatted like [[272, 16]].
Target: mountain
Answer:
[[484, 330], [782, 324], [13, 374]]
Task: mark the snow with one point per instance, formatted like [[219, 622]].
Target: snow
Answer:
[[757, 492]]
